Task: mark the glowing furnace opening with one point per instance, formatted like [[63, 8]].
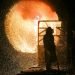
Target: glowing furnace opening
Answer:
[[21, 24]]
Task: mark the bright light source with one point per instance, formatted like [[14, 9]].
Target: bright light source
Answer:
[[21, 24]]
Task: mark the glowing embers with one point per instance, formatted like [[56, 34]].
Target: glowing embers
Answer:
[[21, 24]]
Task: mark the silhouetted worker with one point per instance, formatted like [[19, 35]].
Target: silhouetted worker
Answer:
[[50, 50]]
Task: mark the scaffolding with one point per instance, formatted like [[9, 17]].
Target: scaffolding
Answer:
[[58, 32]]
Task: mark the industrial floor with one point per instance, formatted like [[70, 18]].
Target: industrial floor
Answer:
[[51, 72]]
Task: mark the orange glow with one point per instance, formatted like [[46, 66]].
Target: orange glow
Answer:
[[21, 24], [31, 9]]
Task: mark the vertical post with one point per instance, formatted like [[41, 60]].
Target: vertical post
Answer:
[[38, 43]]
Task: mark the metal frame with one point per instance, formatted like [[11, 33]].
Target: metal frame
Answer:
[[42, 35]]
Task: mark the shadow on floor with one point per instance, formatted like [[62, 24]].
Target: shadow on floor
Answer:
[[52, 72]]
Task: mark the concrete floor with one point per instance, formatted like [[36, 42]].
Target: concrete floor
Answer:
[[45, 72]]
